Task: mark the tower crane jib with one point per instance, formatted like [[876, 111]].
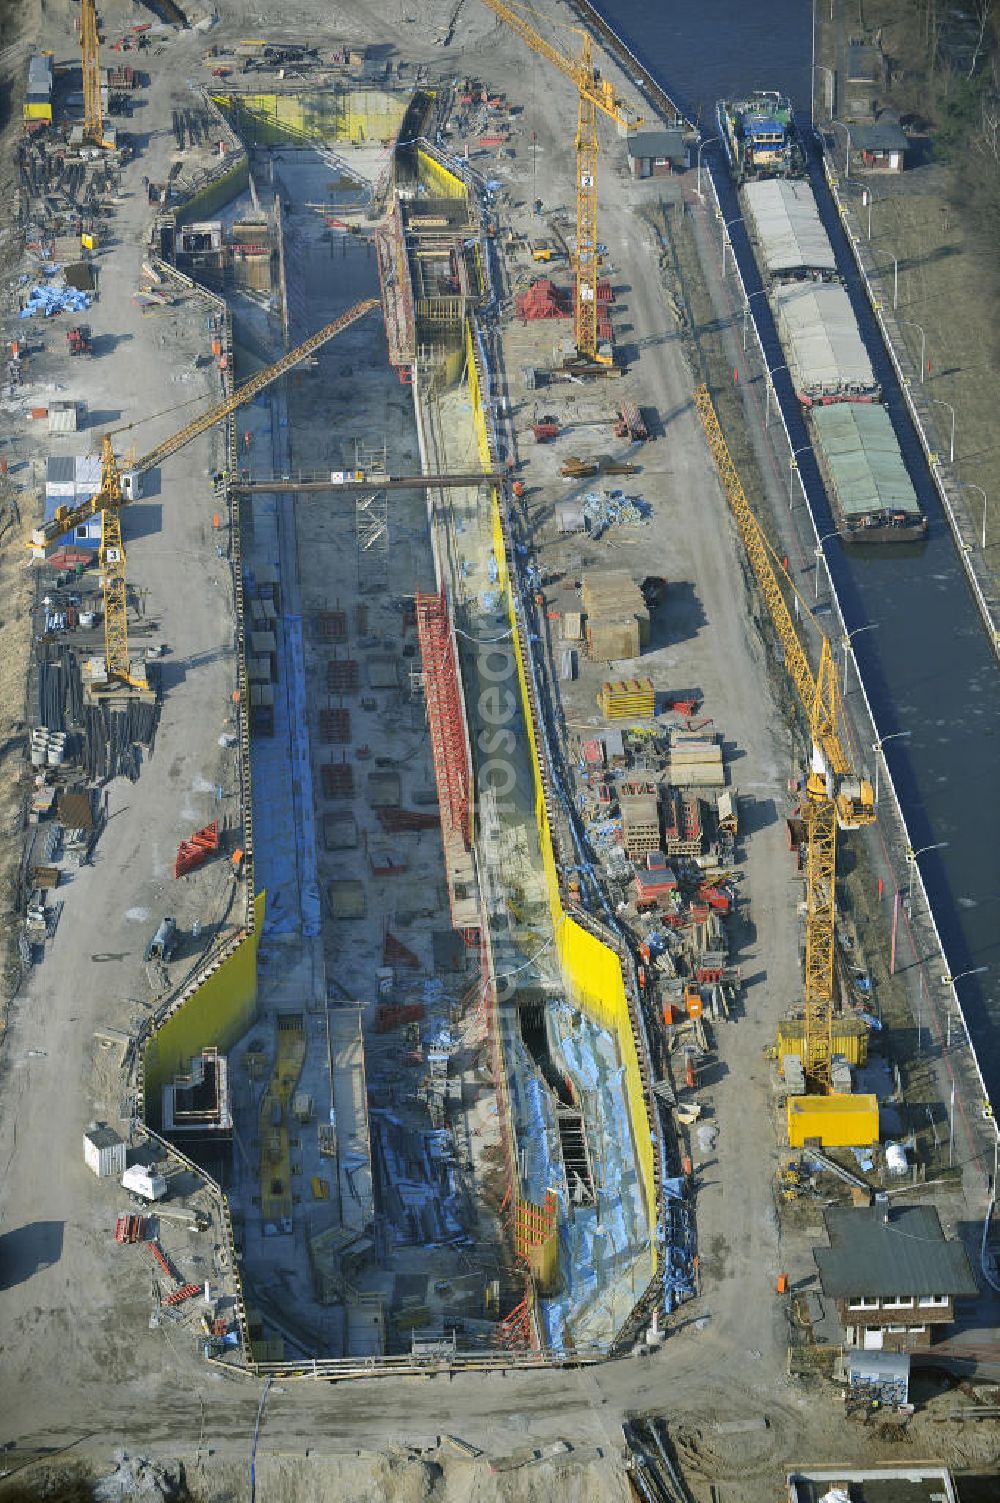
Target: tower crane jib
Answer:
[[112, 496]]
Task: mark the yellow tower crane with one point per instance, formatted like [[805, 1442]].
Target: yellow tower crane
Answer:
[[118, 488], [595, 93], [90, 47], [836, 797]]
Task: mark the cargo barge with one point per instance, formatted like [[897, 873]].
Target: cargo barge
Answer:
[[759, 137], [870, 491]]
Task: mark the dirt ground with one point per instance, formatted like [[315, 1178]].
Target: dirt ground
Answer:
[[82, 1374], [16, 521]]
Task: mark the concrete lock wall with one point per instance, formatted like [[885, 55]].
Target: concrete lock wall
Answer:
[[337, 114], [208, 200], [219, 1011], [591, 969]]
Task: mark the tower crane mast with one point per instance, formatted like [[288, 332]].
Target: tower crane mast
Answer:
[[113, 494], [836, 797], [90, 47], [595, 93]]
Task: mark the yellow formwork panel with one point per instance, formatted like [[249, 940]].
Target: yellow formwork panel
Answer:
[[338, 114], [832, 1121], [275, 1119], [37, 110], [219, 1012], [435, 177], [482, 433], [850, 1038]]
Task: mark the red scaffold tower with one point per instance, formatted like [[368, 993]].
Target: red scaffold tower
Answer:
[[444, 717]]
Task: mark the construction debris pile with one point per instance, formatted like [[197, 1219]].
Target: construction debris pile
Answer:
[[604, 509]]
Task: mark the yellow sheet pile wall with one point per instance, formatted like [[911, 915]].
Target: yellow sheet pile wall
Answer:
[[437, 179], [219, 1012], [592, 971], [337, 114]]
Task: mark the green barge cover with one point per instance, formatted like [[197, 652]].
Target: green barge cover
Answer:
[[861, 456]]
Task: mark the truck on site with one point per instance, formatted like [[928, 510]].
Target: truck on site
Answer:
[[164, 941]]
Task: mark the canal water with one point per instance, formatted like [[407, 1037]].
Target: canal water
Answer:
[[928, 668]]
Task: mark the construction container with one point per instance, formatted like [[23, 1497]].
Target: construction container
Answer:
[[103, 1151], [142, 1182], [63, 417], [832, 1121]]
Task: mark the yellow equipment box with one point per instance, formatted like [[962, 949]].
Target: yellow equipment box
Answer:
[[833, 1121]]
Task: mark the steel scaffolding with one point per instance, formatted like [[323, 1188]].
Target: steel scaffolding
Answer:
[[444, 716]]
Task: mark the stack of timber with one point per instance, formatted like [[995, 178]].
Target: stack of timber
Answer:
[[627, 699], [617, 616], [694, 761]]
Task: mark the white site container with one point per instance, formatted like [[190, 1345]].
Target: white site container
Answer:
[[143, 1183], [103, 1151]]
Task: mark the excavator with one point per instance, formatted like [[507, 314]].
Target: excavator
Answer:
[[119, 487]]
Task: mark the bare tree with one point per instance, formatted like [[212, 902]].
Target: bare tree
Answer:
[[982, 10]]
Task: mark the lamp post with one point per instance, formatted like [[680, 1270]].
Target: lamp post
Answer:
[[911, 861], [953, 981], [822, 68], [970, 487], [866, 198], [877, 749], [793, 464], [951, 446], [846, 641], [923, 343], [768, 390], [725, 239], [701, 148], [976, 970], [818, 551], [847, 155], [895, 281], [761, 292]]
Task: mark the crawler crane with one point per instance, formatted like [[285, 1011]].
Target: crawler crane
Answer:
[[836, 798], [119, 487], [595, 94]]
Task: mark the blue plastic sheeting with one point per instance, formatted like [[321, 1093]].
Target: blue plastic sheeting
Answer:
[[284, 822], [50, 300], [533, 1114], [677, 1242], [600, 1246]]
